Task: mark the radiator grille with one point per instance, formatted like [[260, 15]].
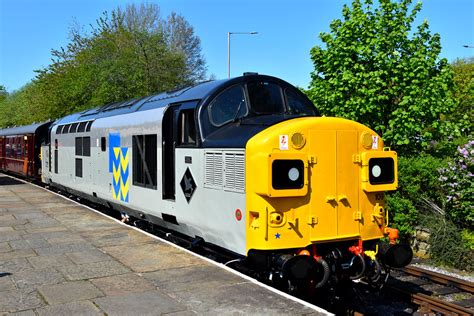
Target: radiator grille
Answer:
[[213, 177], [225, 170]]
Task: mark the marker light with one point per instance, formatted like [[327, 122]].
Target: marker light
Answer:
[[376, 171], [293, 174]]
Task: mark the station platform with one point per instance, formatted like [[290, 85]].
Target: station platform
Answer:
[[58, 257]]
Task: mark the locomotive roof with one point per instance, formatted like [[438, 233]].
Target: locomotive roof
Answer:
[[197, 92], [22, 130]]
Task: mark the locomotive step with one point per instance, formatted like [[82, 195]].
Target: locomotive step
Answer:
[[58, 257]]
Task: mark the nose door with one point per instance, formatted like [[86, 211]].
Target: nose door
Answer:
[[334, 182], [347, 185]]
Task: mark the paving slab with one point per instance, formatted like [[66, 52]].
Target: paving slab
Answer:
[[60, 258], [5, 247], [40, 262], [90, 256], [93, 270], [84, 308], [123, 284], [34, 278], [147, 303], [14, 265], [151, 257], [69, 292], [19, 300], [6, 283]]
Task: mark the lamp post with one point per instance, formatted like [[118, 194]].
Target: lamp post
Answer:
[[228, 47]]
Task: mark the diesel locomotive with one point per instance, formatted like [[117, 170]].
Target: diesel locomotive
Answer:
[[246, 164]]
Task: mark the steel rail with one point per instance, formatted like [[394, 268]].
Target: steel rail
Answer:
[[440, 278], [431, 304]]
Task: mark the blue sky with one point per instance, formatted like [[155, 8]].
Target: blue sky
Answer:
[[29, 29]]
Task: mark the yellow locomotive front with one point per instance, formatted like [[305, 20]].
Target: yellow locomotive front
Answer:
[[315, 201]]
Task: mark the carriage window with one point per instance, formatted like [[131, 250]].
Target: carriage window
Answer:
[[66, 128], [13, 152], [228, 105], [103, 143], [78, 146], [297, 104], [187, 128], [73, 128], [19, 152], [265, 98], [82, 127], [59, 129], [145, 160], [86, 146], [79, 167], [8, 150], [83, 146], [88, 126]]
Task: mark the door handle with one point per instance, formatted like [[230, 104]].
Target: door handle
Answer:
[[342, 198]]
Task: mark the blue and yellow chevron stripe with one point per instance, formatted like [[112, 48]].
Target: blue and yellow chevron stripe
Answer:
[[119, 167]]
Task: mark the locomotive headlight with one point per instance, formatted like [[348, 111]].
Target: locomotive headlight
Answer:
[[293, 174], [376, 171], [287, 174], [381, 171]]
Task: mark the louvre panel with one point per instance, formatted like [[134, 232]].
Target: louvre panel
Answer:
[[208, 168], [234, 172], [240, 172], [225, 170], [213, 170], [218, 170], [229, 171]]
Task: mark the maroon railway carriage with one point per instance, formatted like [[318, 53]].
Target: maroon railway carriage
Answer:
[[20, 149]]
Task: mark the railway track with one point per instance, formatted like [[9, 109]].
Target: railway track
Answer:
[[433, 292]]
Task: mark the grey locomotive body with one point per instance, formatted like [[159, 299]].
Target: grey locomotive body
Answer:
[[176, 159]]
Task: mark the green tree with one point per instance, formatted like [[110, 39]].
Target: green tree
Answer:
[[125, 55], [180, 37], [373, 71], [3, 93], [464, 94]]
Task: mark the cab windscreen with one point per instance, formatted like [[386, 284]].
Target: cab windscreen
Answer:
[[287, 174], [381, 171]]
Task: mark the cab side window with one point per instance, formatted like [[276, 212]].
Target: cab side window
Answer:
[[187, 128], [228, 105]]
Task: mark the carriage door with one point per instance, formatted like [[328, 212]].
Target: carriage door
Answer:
[[169, 138], [2, 151]]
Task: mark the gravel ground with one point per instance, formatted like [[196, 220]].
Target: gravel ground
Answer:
[[458, 274]]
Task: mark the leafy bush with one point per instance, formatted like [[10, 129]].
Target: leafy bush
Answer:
[[419, 189], [436, 194], [456, 180], [449, 246], [403, 214]]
